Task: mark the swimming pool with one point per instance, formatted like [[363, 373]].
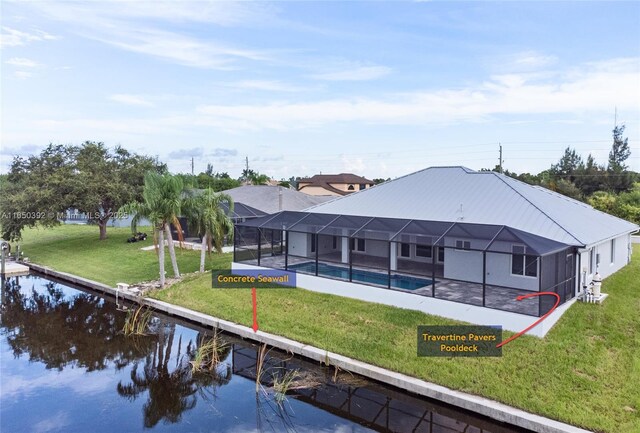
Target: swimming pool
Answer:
[[397, 281]]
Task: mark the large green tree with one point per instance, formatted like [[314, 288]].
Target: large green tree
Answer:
[[619, 150], [216, 181], [567, 166], [591, 177], [109, 179], [618, 175], [90, 178], [38, 190]]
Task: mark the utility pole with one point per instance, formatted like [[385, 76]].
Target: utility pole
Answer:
[[246, 172], [500, 161], [192, 173]]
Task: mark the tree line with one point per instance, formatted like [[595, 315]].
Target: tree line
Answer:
[[610, 187], [91, 178]]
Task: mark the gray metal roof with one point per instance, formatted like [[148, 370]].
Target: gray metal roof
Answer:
[[266, 198], [461, 194]]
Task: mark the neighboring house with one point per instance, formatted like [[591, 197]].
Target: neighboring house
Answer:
[[241, 212], [447, 241], [74, 216], [252, 201], [272, 199], [333, 184]]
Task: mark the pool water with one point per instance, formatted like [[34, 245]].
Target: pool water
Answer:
[[397, 281]]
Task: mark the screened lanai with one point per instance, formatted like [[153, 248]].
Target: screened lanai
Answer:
[[478, 264]]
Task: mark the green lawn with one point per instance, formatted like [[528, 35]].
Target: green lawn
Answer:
[[586, 371], [77, 250]]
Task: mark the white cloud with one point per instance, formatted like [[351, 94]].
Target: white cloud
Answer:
[[359, 73], [592, 87], [22, 75], [17, 386], [582, 94], [227, 13], [532, 60], [274, 86], [195, 152], [22, 62], [177, 48], [27, 149], [11, 37], [133, 26], [352, 164], [56, 422], [131, 100]]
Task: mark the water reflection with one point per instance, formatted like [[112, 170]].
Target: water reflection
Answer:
[[66, 344], [48, 326], [170, 391]]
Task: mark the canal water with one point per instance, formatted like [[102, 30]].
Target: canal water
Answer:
[[66, 366]]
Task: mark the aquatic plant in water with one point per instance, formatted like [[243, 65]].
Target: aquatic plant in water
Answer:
[[137, 321]]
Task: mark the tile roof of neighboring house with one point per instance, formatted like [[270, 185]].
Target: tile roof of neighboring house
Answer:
[[461, 194], [325, 181], [267, 198]]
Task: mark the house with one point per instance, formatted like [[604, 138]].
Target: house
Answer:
[[334, 184], [241, 212], [272, 199], [448, 241]]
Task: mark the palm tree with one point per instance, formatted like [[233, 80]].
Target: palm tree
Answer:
[[207, 217], [161, 203]]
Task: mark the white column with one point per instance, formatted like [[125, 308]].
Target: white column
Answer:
[[345, 250], [394, 256]]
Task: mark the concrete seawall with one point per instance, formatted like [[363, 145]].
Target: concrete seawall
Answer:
[[473, 403]]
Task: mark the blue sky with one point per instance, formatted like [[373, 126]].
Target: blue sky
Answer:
[[376, 88]]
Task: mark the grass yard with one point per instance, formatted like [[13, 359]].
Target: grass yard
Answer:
[[76, 249], [586, 371]]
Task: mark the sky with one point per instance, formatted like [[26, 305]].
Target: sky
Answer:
[[380, 89]]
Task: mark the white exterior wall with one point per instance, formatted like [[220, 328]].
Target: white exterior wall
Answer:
[[460, 264], [454, 310], [499, 273], [298, 244], [325, 244], [622, 256], [375, 248]]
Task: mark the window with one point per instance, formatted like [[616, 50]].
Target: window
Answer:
[[441, 254], [335, 243], [363, 186], [405, 250], [531, 266], [313, 243], [521, 264], [517, 260], [423, 250], [592, 260], [350, 188], [613, 251], [360, 245], [463, 245]]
